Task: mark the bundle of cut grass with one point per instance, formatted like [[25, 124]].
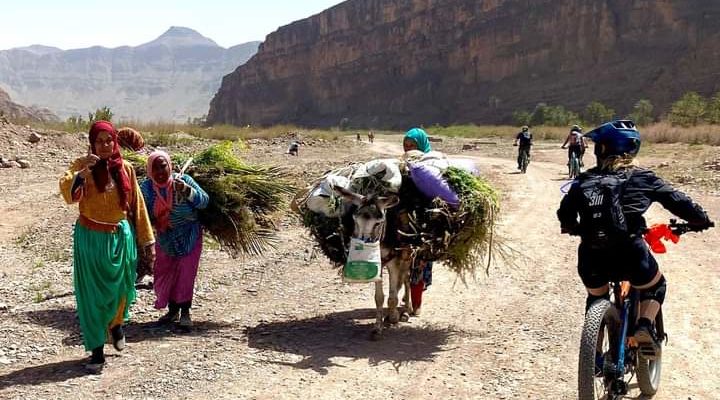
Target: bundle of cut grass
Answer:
[[243, 198], [462, 237]]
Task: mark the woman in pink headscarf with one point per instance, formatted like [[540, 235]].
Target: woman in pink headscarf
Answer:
[[173, 201]]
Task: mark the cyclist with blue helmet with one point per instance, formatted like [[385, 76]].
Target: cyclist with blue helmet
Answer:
[[605, 207]]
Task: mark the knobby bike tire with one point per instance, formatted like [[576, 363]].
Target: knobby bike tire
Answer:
[[524, 162], [602, 313], [648, 371], [574, 167]]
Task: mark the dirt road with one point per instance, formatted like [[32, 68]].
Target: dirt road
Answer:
[[284, 326]]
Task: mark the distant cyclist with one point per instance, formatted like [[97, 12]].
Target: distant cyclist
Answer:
[[577, 144], [524, 141], [371, 136]]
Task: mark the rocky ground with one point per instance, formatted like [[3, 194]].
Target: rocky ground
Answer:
[[284, 326]]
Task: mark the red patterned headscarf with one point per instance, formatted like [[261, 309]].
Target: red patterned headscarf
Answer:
[[104, 170]]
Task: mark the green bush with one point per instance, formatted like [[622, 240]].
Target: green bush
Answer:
[[78, 123], [642, 112], [522, 117], [101, 114], [559, 116], [547, 115], [689, 110], [597, 113], [712, 114]]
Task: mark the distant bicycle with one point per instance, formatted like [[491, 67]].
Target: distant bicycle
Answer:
[[574, 169], [523, 159]]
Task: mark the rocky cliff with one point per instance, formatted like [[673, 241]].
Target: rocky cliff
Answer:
[[170, 78], [398, 63], [9, 110]]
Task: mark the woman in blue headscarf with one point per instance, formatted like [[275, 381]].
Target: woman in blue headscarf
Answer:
[[421, 274], [416, 139]]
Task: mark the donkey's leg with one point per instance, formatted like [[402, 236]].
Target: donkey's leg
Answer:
[[379, 300], [395, 281], [406, 299]]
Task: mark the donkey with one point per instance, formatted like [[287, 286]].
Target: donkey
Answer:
[[370, 219]]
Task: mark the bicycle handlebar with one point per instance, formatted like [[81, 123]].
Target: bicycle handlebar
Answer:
[[682, 228]]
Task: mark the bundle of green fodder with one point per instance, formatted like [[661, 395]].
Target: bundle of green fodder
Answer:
[[243, 197], [460, 235]]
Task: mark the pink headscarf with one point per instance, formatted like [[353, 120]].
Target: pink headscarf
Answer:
[[163, 204]]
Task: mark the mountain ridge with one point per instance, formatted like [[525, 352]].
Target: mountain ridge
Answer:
[[170, 78]]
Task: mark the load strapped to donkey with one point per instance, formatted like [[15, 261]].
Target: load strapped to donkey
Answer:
[[445, 211]]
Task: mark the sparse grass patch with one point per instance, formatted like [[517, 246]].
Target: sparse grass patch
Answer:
[[664, 132], [22, 239], [41, 292], [492, 131]]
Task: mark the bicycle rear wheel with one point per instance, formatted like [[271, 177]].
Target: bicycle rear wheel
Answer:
[[648, 371], [599, 338], [524, 161]]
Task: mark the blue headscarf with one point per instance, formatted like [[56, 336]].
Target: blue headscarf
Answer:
[[420, 138]]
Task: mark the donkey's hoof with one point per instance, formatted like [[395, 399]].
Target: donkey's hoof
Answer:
[[375, 335], [404, 317], [394, 318]]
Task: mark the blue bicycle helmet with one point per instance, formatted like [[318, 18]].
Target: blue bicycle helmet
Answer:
[[615, 138]]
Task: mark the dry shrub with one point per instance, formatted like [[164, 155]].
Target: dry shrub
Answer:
[[664, 132]]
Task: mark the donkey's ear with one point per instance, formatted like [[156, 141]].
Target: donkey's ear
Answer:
[[349, 195], [387, 202]]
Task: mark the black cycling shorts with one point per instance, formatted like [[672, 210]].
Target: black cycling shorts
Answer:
[[578, 150], [629, 262]]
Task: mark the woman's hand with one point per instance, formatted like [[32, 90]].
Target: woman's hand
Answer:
[[182, 188], [88, 162]]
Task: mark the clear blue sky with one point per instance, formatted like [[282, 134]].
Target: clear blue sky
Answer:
[[70, 24]]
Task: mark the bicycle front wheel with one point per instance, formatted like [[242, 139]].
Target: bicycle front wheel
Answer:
[[598, 346]]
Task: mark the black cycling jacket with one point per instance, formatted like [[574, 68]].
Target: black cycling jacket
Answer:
[[642, 189]]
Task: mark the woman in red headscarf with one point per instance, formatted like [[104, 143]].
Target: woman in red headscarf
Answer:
[[112, 226]]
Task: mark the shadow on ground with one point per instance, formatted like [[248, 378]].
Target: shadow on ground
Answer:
[[47, 373], [65, 319], [320, 339]]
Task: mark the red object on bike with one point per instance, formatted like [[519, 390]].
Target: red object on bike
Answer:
[[655, 234]]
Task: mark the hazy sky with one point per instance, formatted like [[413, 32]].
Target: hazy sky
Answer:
[[70, 24]]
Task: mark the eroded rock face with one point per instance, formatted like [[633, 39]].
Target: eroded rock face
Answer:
[[9, 110], [170, 78], [387, 63]]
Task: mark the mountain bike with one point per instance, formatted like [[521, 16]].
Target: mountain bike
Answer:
[[609, 356], [574, 166], [524, 160]]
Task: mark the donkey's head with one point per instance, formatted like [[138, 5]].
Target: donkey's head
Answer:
[[370, 215]]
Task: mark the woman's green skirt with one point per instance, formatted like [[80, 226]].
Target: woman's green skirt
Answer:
[[104, 276]]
